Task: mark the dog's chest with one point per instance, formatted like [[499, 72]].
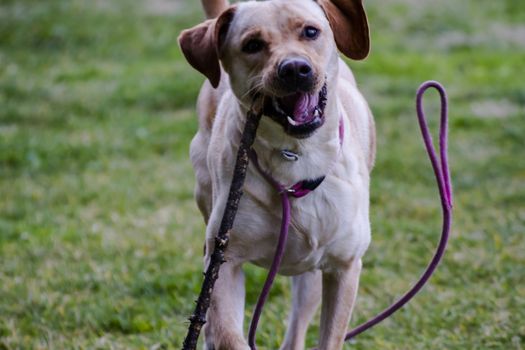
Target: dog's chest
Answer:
[[326, 225]]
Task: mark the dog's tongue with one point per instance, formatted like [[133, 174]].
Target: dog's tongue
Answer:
[[300, 106]]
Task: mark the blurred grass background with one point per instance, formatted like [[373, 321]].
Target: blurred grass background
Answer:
[[101, 242]]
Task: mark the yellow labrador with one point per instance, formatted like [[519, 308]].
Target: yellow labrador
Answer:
[[316, 126]]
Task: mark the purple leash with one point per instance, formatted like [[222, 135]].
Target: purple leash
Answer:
[[442, 173]]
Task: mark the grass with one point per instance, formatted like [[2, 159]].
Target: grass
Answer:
[[101, 242]]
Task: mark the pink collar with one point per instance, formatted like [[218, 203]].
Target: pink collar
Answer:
[[301, 188]]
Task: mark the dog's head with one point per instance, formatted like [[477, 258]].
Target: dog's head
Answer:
[[285, 50]]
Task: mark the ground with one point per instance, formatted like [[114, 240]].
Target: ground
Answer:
[[100, 239]]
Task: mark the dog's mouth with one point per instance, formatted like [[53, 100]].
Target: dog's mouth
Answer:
[[300, 114]]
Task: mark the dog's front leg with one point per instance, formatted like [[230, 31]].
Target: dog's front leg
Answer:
[[306, 295], [224, 321], [339, 294]]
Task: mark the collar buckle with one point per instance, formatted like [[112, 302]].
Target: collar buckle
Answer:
[[288, 190]]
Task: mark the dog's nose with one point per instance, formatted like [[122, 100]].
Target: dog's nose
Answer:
[[296, 74]]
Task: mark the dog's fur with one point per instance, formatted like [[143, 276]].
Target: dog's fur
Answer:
[[330, 228]]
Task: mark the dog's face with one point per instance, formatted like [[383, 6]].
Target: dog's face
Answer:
[[284, 50], [281, 49]]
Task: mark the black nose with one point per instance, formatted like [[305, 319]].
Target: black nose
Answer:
[[296, 74]]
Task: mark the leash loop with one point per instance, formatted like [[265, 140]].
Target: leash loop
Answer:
[[442, 174], [441, 168]]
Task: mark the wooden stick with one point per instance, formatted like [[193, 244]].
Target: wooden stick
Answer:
[[198, 318]]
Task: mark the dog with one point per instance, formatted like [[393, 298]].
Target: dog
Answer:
[[316, 126]]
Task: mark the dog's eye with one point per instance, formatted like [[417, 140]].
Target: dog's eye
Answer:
[[311, 32], [253, 46]]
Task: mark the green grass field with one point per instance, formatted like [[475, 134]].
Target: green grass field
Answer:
[[101, 242]]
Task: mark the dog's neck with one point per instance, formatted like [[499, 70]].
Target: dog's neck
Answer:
[[315, 154]]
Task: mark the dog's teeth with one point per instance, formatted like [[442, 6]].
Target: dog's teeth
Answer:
[[316, 113], [291, 121]]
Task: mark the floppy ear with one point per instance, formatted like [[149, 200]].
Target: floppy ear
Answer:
[[200, 45], [350, 26]]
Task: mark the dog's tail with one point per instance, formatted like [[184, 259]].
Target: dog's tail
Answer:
[[213, 8]]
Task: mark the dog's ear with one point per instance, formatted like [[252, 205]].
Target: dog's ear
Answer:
[[350, 26], [201, 44]]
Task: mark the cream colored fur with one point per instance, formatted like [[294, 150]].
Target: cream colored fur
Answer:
[[330, 228]]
